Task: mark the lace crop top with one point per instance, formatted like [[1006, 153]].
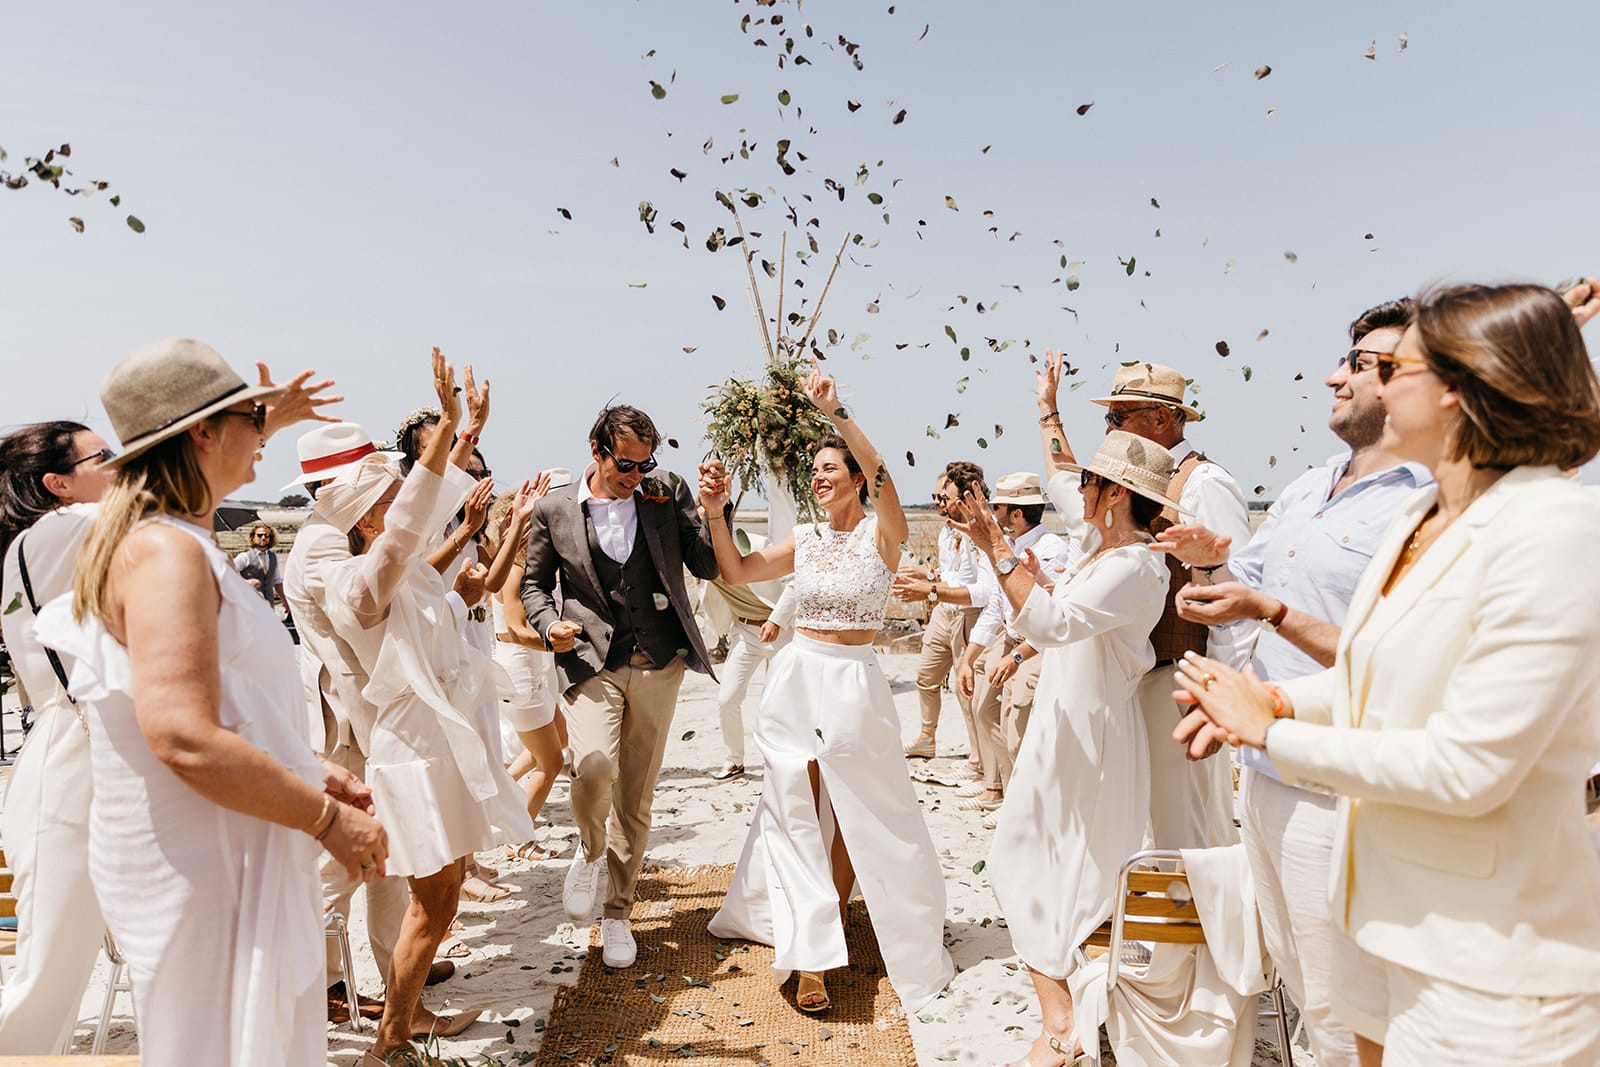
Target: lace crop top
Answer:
[[840, 581]]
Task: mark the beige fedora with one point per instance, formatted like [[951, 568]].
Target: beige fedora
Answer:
[[328, 451], [165, 388], [1133, 463], [1018, 490], [1150, 381]]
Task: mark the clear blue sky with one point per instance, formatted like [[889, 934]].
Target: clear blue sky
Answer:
[[344, 185]]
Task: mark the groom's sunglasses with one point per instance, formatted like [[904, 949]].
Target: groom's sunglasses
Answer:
[[628, 466]]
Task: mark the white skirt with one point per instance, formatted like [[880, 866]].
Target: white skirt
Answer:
[[830, 704], [532, 703]]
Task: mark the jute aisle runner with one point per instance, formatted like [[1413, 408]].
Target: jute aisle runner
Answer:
[[692, 995]]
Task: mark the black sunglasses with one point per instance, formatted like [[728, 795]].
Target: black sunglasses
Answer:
[[103, 456], [1352, 359], [628, 466], [257, 416], [1115, 417], [1087, 478]]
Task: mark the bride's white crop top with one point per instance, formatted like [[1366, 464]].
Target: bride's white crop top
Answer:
[[840, 581]]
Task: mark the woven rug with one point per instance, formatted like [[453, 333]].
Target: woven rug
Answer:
[[692, 995]]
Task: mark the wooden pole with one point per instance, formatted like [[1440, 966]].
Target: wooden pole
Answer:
[[783, 261], [755, 292], [816, 312]]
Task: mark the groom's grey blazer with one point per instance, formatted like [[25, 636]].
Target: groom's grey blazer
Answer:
[[558, 550]]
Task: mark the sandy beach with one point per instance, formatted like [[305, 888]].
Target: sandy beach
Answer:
[[524, 948]]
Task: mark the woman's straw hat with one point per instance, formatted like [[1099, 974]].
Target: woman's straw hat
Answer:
[[1135, 464], [165, 388], [1150, 381]]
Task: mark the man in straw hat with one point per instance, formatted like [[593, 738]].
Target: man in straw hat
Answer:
[[1191, 803], [1001, 687]]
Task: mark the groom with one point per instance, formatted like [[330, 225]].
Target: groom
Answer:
[[617, 542]]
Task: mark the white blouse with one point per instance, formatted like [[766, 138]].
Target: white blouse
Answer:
[[840, 580]]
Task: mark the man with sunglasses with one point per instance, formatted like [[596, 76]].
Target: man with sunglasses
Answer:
[[622, 635], [1296, 579], [1191, 803]]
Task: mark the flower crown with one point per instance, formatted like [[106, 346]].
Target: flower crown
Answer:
[[419, 417]]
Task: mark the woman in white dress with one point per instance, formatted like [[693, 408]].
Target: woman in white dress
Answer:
[[208, 804], [49, 478], [435, 781], [838, 809], [1080, 791]]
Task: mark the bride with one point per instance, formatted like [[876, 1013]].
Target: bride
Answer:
[[838, 810]]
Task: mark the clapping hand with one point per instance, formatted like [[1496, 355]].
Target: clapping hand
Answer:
[[1047, 381], [1236, 702], [1193, 544], [477, 404], [298, 402], [479, 501]]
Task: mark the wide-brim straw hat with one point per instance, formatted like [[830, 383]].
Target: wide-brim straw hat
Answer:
[[351, 495], [328, 451], [1134, 463], [1152, 382], [165, 388], [1018, 490]]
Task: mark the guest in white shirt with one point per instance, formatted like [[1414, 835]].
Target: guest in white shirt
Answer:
[[1001, 688], [1296, 578], [950, 617], [1461, 716]]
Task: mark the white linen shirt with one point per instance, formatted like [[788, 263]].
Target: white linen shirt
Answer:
[[615, 521], [1310, 553], [1054, 555], [1214, 500]]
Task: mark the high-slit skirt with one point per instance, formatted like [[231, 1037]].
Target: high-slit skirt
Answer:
[[831, 704]]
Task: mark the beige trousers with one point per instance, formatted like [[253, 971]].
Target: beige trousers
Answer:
[[1001, 711], [942, 644], [618, 729], [387, 898]]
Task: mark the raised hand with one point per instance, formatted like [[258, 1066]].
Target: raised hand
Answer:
[[1584, 300], [470, 581], [298, 402], [1047, 381], [981, 527], [444, 387], [823, 392], [477, 403], [479, 501], [715, 487]]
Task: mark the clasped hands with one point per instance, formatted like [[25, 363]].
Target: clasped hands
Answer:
[[1227, 705]]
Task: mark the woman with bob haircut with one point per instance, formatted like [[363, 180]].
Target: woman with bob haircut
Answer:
[[1462, 713], [209, 807]]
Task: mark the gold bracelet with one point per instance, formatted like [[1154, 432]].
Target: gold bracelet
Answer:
[[324, 821]]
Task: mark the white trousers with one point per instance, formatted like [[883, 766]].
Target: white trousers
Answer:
[[1191, 801], [45, 834], [746, 654], [1288, 838]]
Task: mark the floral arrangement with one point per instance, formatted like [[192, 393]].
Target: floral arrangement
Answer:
[[770, 427]]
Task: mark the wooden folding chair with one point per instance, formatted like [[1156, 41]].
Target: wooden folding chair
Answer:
[[1154, 903], [8, 913]]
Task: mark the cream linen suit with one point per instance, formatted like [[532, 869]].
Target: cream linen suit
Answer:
[[1465, 709]]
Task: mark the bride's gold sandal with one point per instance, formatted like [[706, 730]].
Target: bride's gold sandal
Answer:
[[811, 993], [1069, 1059]]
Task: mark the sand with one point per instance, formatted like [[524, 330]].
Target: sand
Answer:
[[524, 947]]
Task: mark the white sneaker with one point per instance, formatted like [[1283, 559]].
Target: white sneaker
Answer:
[[617, 945], [974, 789], [582, 892]]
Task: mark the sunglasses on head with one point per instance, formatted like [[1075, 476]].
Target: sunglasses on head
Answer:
[[103, 456], [1115, 417], [628, 466], [257, 416], [1388, 363]]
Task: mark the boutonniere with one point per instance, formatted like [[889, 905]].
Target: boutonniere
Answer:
[[655, 490]]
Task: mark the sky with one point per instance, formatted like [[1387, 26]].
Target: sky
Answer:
[[342, 187]]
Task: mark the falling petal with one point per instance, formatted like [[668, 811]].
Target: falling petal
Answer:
[[690, 350], [1083, 109], [658, 90], [911, 460], [717, 300], [135, 225], [687, 736], [1291, 257], [950, 421], [1404, 40], [1247, 373], [900, 116], [1372, 51], [1222, 348], [730, 98], [950, 202], [1262, 336], [1262, 72]]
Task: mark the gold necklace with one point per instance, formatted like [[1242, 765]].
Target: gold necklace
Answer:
[[1414, 545]]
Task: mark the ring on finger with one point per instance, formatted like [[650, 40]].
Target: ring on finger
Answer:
[[1206, 680]]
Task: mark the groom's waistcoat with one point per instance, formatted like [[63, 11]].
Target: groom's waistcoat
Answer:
[[641, 612]]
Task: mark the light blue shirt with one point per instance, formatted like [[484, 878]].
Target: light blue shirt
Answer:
[[1310, 553]]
